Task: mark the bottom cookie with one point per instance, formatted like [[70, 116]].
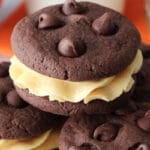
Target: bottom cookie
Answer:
[[68, 109], [130, 131], [23, 127], [45, 141]]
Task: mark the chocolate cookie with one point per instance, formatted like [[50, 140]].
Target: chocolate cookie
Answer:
[[146, 50], [76, 41], [68, 108], [19, 120], [142, 89], [109, 132]]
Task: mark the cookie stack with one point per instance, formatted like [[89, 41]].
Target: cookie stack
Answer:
[[23, 127], [81, 60]]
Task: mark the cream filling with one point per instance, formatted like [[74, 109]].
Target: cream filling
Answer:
[[46, 141], [107, 89]]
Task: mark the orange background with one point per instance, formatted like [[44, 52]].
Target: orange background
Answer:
[[134, 11]]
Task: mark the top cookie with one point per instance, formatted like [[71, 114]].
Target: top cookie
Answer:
[[76, 41]]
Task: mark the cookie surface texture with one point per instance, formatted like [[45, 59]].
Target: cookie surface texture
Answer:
[[111, 132]]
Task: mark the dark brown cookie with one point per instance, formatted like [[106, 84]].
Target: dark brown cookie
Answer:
[[5, 81], [18, 119], [146, 50], [76, 41], [107, 132], [68, 108], [142, 88]]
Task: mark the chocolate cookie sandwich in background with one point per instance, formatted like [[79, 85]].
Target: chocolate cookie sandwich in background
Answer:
[[145, 50], [129, 131], [75, 58], [142, 88], [23, 127]]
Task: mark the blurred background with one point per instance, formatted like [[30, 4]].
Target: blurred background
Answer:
[[11, 11]]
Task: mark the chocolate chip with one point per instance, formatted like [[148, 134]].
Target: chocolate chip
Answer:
[[13, 99], [143, 147], [48, 21], [144, 123], [106, 132], [71, 7], [67, 48], [4, 69], [104, 25]]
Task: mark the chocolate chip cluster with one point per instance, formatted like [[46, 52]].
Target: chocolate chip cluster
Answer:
[[67, 47]]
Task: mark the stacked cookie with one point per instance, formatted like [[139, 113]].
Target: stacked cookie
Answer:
[[142, 90], [81, 60], [23, 127], [75, 60]]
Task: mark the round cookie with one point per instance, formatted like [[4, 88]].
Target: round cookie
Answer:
[[68, 108], [112, 132], [19, 120], [76, 41], [141, 90], [75, 73]]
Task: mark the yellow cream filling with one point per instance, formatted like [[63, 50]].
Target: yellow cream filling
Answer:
[[46, 141], [107, 89]]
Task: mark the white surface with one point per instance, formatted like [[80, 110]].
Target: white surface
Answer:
[[34, 5]]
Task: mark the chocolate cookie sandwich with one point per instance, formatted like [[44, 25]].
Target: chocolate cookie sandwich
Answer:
[[23, 127], [129, 131], [142, 88], [146, 50], [75, 58]]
